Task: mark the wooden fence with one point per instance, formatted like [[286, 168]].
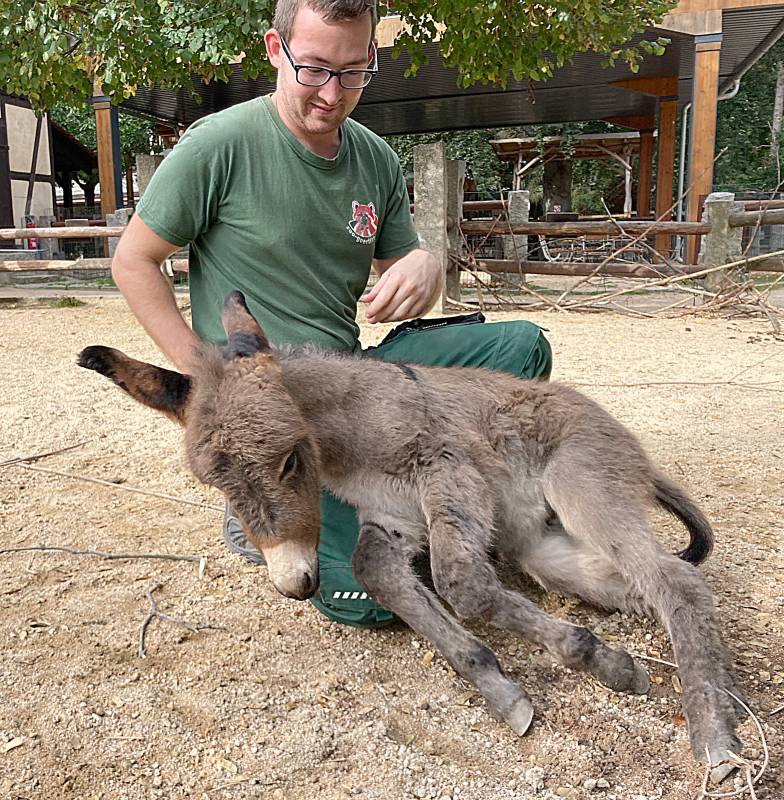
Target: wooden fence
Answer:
[[439, 217]]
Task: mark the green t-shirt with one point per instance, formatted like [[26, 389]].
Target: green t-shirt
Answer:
[[296, 233]]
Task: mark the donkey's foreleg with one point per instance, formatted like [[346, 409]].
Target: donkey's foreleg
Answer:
[[382, 565]]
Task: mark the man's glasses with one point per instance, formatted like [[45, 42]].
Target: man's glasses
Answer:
[[317, 76]]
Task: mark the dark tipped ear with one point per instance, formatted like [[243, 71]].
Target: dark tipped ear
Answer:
[[245, 336], [158, 388]]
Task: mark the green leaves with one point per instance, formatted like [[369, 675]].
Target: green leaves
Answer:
[[59, 47], [527, 39]]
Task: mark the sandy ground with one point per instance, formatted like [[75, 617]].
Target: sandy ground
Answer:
[[281, 703]]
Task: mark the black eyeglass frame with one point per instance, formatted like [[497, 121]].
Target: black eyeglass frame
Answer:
[[331, 73]]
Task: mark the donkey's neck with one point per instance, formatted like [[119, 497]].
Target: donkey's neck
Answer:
[[335, 395]]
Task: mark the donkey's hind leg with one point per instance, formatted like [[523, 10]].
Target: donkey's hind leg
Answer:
[[382, 565], [610, 517]]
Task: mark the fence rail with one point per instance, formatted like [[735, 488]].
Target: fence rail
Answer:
[[74, 232], [587, 228]]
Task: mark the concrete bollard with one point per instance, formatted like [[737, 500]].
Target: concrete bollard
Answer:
[[430, 204], [723, 244], [518, 209]]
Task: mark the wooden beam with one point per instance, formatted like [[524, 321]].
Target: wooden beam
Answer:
[[59, 265], [628, 269], [640, 122], [690, 6], [702, 142], [773, 216], [585, 228], [658, 87], [75, 232], [39, 121], [103, 129], [665, 166], [644, 174], [6, 201]]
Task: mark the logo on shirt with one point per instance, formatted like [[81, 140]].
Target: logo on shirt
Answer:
[[364, 222]]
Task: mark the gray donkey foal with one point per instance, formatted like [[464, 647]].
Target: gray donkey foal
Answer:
[[465, 461]]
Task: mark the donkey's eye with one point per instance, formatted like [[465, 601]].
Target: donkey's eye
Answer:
[[290, 467]]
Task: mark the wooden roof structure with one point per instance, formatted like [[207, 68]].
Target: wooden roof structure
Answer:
[[712, 44]]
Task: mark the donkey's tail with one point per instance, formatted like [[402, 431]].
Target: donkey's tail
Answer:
[[670, 496]]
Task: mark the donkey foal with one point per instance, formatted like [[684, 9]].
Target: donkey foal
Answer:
[[465, 462]]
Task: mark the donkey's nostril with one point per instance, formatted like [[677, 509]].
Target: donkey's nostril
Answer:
[[311, 583]]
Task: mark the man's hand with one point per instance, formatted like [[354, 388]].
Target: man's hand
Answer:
[[408, 287]]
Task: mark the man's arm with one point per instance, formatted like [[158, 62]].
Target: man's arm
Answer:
[[408, 287], [136, 271]]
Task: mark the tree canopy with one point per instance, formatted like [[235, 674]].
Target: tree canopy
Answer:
[[56, 50]]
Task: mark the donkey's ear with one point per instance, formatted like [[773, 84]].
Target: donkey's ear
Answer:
[[245, 336], [158, 388]]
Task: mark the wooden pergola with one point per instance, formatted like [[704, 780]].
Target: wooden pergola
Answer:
[[713, 43], [529, 153]]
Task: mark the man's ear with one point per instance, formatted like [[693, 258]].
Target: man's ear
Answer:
[[272, 44], [162, 389]]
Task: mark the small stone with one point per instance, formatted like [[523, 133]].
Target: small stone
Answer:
[[157, 782], [590, 784], [602, 783], [534, 777]]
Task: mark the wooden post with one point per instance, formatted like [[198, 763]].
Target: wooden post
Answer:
[[705, 92], [103, 129], [6, 201], [455, 176], [430, 204], [644, 174], [665, 165], [723, 244]]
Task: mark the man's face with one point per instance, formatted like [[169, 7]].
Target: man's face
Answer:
[[318, 111]]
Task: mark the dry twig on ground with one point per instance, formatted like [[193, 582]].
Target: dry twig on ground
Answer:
[[121, 487], [156, 613]]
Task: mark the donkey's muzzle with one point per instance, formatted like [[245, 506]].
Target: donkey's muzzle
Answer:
[[305, 588], [293, 569]]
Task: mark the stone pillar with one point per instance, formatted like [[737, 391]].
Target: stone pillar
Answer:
[[48, 247], [723, 244], [455, 176], [518, 208], [145, 167], [430, 203], [119, 218]]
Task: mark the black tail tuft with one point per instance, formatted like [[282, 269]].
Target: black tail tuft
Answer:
[[671, 497]]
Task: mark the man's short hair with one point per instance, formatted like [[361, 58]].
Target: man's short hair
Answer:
[[330, 10]]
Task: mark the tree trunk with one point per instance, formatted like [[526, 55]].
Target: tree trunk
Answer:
[[558, 185], [89, 194], [778, 111]]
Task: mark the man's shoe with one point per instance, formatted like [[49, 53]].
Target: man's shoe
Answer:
[[235, 540]]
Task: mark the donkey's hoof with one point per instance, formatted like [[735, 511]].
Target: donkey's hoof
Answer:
[[618, 671], [641, 681], [519, 716]]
